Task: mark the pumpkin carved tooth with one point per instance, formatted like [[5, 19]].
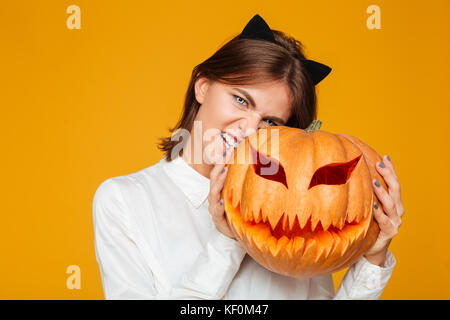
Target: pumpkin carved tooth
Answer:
[[285, 220], [247, 214], [345, 242], [290, 248], [334, 222], [292, 222], [366, 228], [309, 246], [273, 220], [336, 243], [327, 243], [366, 212], [350, 217], [304, 219], [359, 217], [298, 245], [281, 245], [238, 228], [320, 250], [252, 216], [272, 245], [258, 218], [361, 234], [264, 217], [261, 237], [314, 221], [341, 223], [325, 224], [246, 235]]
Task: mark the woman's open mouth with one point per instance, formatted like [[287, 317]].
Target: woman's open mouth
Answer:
[[229, 141]]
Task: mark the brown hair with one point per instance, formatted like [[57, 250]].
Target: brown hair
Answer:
[[250, 61]]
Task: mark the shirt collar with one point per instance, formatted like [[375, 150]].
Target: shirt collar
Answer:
[[193, 184]]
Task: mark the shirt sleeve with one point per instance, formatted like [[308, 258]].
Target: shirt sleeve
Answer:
[[364, 280], [122, 268], [126, 275]]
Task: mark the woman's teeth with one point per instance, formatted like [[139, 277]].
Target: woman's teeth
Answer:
[[229, 140]]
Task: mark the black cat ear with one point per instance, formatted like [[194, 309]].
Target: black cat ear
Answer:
[[318, 71], [257, 28]]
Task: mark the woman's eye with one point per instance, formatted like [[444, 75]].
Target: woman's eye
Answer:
[[239, 98], [270, 122]]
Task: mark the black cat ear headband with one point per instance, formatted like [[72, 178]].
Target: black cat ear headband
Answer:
[[257, 28]]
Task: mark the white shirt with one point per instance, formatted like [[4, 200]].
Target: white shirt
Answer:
[[155, 239]]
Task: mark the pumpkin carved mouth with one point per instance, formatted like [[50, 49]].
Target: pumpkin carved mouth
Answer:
[[297, 241]]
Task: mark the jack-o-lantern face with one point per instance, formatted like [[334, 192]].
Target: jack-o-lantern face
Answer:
[[305, 210]]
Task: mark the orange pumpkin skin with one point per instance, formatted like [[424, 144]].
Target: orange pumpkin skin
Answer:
[[292, 228]]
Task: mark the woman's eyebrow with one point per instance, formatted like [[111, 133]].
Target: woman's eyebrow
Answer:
[[276, 119], [252, 103], [247, 95]]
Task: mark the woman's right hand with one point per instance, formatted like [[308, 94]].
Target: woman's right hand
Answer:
[[216, 206]]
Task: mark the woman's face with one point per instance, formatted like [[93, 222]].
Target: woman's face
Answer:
[[230, 111]]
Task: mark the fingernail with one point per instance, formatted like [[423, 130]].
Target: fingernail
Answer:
[[375, 205], [221, 202], [381, 164], [223, 169], [387, 157], [377, 183], [225, 153]]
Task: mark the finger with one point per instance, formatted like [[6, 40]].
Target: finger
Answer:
[[387, 161], [378, 206], [219, 218], [400, 210], [215, 171], [220, 165], [399, 203], [223, 224], [391, 180], [384, 222], [217, 180], [216, 209], [218, 184], [228, 155], [386, 200], [219, 210], [380, 216]]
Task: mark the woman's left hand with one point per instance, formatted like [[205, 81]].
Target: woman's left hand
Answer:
[[388, 211]]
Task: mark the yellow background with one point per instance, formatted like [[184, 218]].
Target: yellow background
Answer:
[[80, 106]]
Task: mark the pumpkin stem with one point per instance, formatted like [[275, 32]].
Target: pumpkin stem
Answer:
[[313, 126]]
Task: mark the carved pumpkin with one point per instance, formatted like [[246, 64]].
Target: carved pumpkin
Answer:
[[313, 216]]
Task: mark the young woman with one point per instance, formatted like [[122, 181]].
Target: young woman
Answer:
[[161, 232]]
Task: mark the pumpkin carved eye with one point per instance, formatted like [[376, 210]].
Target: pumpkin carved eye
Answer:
[[269, 168], [331, 174], [334, 173]]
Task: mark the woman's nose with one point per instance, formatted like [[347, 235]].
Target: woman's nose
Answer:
[[249, 125]]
